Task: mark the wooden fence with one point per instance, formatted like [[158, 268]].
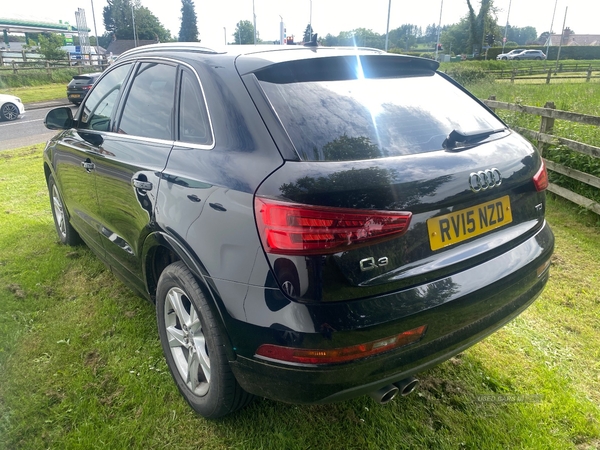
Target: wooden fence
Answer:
[[545, 136], [22, 62], [548, 72]]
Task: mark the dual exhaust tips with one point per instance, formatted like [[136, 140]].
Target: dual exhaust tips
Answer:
[[387, 393]]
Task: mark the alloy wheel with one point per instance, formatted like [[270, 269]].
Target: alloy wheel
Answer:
[[187, 341], [59, 212], [10, 111]]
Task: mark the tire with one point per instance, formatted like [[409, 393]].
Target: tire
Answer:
[[9, 111], [538, 58], [504, 58], [194, 346], [516, 58], [64, 229]]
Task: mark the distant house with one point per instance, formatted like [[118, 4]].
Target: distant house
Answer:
[[573, 39], [119, 46]]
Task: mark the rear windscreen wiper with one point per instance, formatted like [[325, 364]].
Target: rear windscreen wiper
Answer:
[[459, 140]]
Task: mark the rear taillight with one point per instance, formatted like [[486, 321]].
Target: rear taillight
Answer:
[[87, 86], [339, 355], [296, 229], [540, 179]]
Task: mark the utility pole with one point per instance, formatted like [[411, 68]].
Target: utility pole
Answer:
[[437, 43], [387, 30], [95, 31], [133, 22], [254, 15], [506, 27], [561, 38], [550, 32], [310, 22]]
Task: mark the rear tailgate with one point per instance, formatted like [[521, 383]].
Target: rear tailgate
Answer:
[[452, 227], [393, 135]]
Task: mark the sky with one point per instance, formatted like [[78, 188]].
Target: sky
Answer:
[[217, 19]]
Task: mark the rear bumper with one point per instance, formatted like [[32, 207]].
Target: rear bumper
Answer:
[[464, 317]]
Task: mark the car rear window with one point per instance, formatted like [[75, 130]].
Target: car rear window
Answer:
[[356, 119]]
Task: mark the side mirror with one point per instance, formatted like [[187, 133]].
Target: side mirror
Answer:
[[59, 119]]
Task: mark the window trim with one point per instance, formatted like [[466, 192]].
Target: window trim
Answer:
[[113, 114], [175, 142], [183, 68], [125, 94]]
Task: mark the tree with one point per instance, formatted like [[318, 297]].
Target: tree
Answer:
[[521, 36], [330, 41], [457, 37], [50, 46], [308, 33], [477, 24], [189, 27], [404, 37], [118, 21], [244, 33]]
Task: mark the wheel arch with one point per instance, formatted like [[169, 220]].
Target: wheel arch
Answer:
[[160, 250]]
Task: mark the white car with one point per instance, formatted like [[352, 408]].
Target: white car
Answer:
[[505, 56], [11, 107]]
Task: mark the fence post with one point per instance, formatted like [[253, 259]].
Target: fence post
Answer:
[[492, 97], [589, 74], [14, 65], [546, 127], [48, 71], [24, 55], [1, 59], [549, 76], [512, 75]]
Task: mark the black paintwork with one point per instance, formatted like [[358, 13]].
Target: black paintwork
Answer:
[[141, 204]]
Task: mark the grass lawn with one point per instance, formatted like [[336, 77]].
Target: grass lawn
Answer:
[[81, 365], [41, 93]]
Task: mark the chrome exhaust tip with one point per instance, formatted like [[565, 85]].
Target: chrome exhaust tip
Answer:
[[384, 395], [407, 385]]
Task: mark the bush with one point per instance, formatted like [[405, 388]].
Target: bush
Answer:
[[467, 73]]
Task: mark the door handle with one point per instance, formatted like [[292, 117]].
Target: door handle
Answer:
[[143, 185]]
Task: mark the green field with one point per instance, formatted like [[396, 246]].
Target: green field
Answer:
[[81, 365]]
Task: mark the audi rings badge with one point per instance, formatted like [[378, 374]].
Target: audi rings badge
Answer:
[[485, 179]]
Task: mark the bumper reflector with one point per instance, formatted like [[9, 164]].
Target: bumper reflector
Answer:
[[339, 355]]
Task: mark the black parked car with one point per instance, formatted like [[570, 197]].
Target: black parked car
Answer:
[[313, 224], [80, 85]]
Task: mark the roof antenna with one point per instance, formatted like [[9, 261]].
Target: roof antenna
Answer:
[[313, 41]]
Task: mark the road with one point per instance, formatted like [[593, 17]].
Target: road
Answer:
[[27, 130]]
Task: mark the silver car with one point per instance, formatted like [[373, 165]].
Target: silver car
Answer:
[[529, 54]]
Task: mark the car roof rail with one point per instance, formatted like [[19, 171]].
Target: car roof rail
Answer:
[[176, 46]]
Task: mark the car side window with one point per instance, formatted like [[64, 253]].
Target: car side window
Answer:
[[194, 125], [148, 110], [98, 107]]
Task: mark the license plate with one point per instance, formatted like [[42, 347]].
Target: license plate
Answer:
[[74, 95], [459, 226]]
